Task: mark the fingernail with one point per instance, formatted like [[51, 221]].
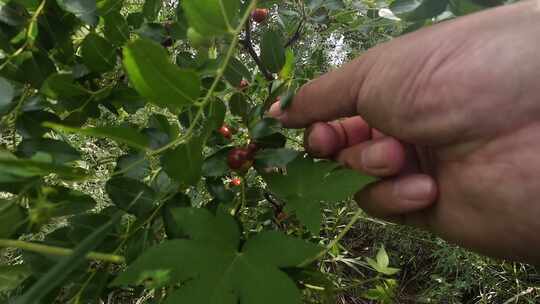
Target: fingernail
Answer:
[[373, 156], [319, 140], [275, 110], [414, 189]]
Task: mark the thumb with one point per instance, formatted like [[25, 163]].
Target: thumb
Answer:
[[395, 87]]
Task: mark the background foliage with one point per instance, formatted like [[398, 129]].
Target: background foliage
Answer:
[[137, 166]]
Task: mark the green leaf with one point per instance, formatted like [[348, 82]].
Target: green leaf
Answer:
[[12, 218], [217, 189], [61, 201], [157, 79], [184, 163], [59, 151], [152, 31], [13, 169], [382, 258], [116, 29], [464, 7], [264, 127], [286, 99], [7, 93], [235, 72], [12, 14], [212, 269], [126, 135], [29, 124], [287, 71], [201, 225], [127, 98], [56, 275], [106, 7], [279, 250], [413, 10], [211, 17], [151, 9], [84, 9], [63, 87], [307, 183], [11, 276], [272, 51], [131, 196], [133, 165], [36, 69], [98, 54], [275, 157], [216, 164], [238, 105]]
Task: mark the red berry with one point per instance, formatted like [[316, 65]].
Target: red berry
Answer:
[[235, 182], [239, 159], [282, 216], [225, 131], [243, 84], [168, 42], [259, 15], [252, 149]]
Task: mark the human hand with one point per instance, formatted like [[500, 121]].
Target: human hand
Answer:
[[450, 117]]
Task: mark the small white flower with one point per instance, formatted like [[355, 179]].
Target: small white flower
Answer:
[[388, 14]]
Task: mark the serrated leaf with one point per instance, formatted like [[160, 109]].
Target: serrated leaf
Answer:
[[98, 54], [157, 79], [272, 51], [214, 271], [126, 135], [211, 17], [184, 163], [307, 183]]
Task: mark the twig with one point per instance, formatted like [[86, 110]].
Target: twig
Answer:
[[248, 45], [297, 34], [53, 250]]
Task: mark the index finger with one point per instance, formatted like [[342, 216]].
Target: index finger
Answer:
[[331, 96]]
